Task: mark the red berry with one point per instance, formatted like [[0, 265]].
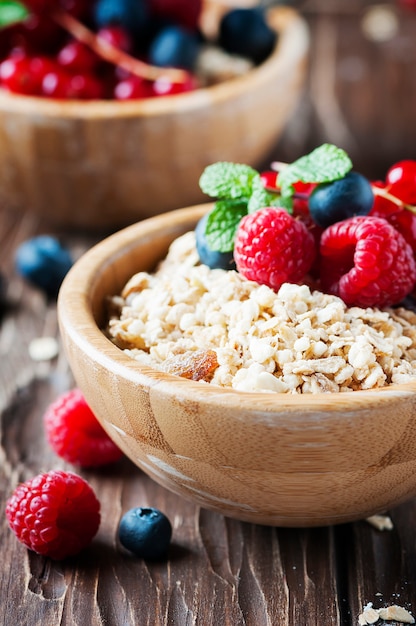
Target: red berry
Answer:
[[269, 180], [116, 36], [75, 434], [38, 6], [401, 218], [272, 247], [85, 87], [39, 34], [16, 76], [401, 180], [77, 57], [56, 84], [183, 12], [162, 86], [132, 88], [366, 262], [81, 9], [55, 514]]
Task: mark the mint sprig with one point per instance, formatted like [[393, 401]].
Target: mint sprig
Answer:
[[239, 190], [228, 180], [12, 12], [222, 224], [323, 165]]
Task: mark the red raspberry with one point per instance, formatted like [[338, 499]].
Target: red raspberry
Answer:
[[55, 514], [272, 247], [366, 262], [75, 434]]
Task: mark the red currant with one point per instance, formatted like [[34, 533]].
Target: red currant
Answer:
[[81, 9], [16, 76], [269, 180], [117, 37], [133, 88], [76, 57], [401, 179], [85, 86], [37, 6], [401, 218], [164, 87], [56, 84]]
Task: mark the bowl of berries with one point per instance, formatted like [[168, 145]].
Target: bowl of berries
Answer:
[[109, 110], [257, 354]]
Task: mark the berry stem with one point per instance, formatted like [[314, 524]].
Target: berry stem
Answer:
[[276, 166], [114, 55], [378, 191]]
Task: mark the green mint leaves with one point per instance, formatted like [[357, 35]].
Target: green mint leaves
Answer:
[[239, 189], [12, 12], [323, 165], [222, 224], [228, 180]]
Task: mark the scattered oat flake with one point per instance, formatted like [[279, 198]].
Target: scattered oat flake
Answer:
[[397, 613], [43, 348], [381, 522], [390, 613], [368, 616]]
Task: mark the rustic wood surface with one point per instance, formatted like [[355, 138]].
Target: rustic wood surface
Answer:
[[360, 95]]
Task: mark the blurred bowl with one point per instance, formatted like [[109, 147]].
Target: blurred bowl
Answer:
[[285, 460], [106, 164]]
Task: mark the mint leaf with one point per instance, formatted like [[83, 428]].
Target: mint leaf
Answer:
[[12, 12], [261, 197], [322, 165], [228, 180], [222, 224]]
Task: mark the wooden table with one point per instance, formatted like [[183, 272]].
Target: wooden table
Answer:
[[220, 572]]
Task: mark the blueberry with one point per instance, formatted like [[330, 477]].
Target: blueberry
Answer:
[[146, 532], [133, 15], [43, 262], [341, 199], [213, 258], [174, 46], [245, 32]]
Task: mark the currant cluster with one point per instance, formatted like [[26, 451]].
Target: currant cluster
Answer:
[[71, 49]]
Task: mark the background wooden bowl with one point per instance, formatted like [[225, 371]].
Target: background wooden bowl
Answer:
[[105, 164], [266, 458]]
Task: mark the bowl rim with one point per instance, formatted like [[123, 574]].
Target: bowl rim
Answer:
[[76, 320], [292, 45]]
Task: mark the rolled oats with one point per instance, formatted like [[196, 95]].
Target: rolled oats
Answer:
[[294, 341]]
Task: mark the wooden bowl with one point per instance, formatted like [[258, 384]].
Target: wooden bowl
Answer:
[[287, 460], [107, 164]]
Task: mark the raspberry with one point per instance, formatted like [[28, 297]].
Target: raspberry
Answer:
[[75, 434], [366, 262], [272, 247], [55, 514]]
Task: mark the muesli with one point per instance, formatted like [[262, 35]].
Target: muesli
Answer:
[[297, 340]]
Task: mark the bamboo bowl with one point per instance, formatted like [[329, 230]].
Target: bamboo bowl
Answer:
[[104, 164], [266, 458]]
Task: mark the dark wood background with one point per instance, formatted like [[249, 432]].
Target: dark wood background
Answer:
[[360, 95]]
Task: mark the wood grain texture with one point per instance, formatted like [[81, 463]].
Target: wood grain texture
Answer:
[[220, 571]]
